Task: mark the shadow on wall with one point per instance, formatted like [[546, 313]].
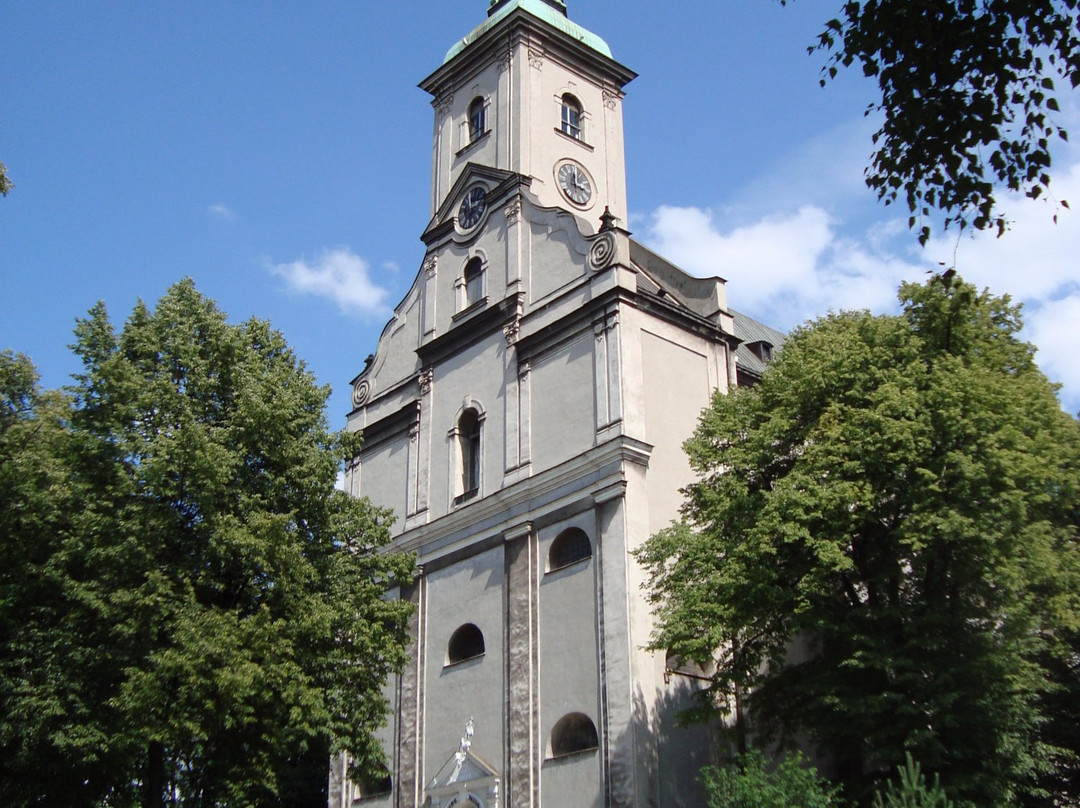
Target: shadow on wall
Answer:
[[671, 752]]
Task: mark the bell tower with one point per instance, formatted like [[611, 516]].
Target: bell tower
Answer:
[[523, 415], [531, 92]]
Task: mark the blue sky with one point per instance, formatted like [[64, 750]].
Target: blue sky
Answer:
[[280, 155]]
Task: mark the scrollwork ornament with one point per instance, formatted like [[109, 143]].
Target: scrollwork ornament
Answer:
[[602, 252], [513, 212], [443, 102], [511, 330], [611, 100], [431, 263], [536, 59], [361, 392], [425, 380]]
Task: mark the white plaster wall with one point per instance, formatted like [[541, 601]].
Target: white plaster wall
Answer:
[[599, 150], [677, 389], [488, 85], [683, 749], [569, 668], [573, 782], [383, 477], [471, 591], [563, 403], [556, 254], [395, 358], [524, 116], [387, 737], [474, 375], [451, 148], [491, 247], [569, 675]]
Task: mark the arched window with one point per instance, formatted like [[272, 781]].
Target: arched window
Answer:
[[674, 663], [377, 785], [474, 281], [477, 118], [465, 643], [571, 116], [569, 547], [469, 450], [574, 732]]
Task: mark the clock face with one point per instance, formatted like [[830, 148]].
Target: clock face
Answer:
[[574, 182], [472, 208]]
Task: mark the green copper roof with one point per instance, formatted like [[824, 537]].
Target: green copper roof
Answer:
[[540, 10]]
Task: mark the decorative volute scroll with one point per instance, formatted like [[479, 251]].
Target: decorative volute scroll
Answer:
[[465, 780], [361, 392]]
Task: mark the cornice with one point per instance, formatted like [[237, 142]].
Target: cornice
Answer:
[[521, 27], [594, 477]]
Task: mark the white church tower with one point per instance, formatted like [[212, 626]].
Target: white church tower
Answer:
[[523, 415]]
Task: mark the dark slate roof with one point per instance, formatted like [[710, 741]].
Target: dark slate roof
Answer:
[[750, 331]]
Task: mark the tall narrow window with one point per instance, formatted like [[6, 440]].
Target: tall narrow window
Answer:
[[474, 281], [469, 446], [571, 116], [477, 118]]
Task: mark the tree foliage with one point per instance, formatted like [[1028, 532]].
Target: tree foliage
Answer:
[[881, 550], [5, 184], [912, 790], [749, 782], [190, 609], [968, 94]]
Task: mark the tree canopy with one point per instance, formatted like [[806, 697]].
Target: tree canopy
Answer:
[[968, 95], [189, 611], [881, 551]]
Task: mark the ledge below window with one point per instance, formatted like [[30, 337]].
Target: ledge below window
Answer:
[[461, 499], [475, 141], [573, 139], [469, 310]]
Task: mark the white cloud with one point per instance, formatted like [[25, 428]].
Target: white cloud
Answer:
[[1037, 262], [222, 212], [338, 275], [1036, 258], [1053, 328], [784, 269]]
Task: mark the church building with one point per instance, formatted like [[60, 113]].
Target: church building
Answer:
[[523, 416]]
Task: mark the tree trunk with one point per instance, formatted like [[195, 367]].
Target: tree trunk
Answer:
[[155, 775]]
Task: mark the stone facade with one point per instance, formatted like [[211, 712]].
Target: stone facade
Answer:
[[523, 416]]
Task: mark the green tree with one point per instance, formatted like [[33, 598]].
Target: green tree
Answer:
[[881, 548], [749, 782], [912, 790], [968, 98], [223, 603], [5, 184], [53, 740]]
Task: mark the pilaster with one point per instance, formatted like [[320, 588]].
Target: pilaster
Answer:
[[608, 376], [409, 753], [522, 606]]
